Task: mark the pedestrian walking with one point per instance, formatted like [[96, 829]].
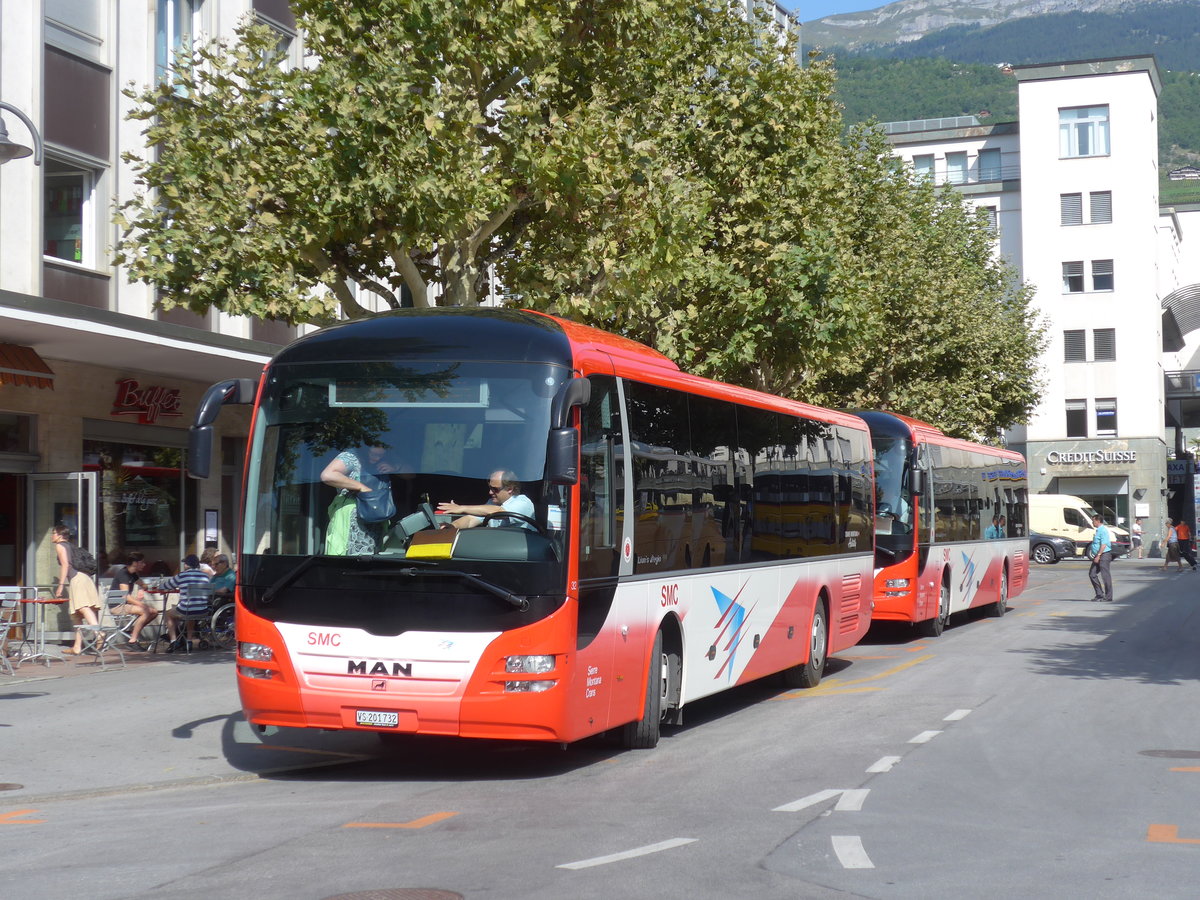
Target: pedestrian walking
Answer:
[[1136, 537], [1171, 539], [1100, 553], [1185, 542]]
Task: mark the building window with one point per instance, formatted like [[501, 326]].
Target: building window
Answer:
[[1083, 131], [1072, 277], [1106, 417], [174, 27], [1102, 274], [1077, 418], [1070, 209], [1104, 343], [1100, 207], [923, 165], [989, 165], [69, 212], [993, 221], [956, 168], [1075, 346]]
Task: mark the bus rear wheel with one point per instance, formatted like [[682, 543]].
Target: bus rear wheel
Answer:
[[644, 733], [808, 674], [998, 608]]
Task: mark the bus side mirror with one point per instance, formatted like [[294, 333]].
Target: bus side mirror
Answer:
[[200, 435], [562, 456], [576, 392], [918, 481]]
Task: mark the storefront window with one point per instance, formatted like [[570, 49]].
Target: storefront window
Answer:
[[144, 502], [15, 433]]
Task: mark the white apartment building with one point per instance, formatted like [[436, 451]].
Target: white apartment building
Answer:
[[97, 388], [1072, 188]]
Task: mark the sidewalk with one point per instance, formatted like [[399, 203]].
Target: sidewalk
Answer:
[[72, 666]]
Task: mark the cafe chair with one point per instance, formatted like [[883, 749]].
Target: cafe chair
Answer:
[[10, 621], [102, 637], [195, 609], [114, 597]]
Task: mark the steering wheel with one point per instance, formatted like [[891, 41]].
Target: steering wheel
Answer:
[[514, 515]]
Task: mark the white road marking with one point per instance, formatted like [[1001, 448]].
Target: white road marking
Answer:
[[957, 715], [884, 764], [628, 854], [850, 852], [924, 737], [851, 800]]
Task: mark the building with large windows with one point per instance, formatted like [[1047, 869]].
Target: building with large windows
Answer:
[[1072, 191], [97, 387]]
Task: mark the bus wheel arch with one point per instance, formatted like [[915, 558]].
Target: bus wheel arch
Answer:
[[808, 673]]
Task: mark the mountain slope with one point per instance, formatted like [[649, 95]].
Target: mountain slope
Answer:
[[910, 20]]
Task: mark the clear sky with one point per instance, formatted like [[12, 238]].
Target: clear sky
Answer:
[[808, 10]]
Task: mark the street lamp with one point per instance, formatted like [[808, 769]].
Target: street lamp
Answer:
[[10, 150]]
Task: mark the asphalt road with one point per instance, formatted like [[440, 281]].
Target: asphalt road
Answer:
[[1050, 753]]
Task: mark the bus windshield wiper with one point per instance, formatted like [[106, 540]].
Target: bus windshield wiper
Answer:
[[512, 599], [288, 577]]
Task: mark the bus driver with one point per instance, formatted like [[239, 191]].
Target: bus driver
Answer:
[[504, 495]]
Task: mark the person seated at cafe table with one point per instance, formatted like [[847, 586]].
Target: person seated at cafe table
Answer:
[[126, 579], [190, 577], [224, 578]]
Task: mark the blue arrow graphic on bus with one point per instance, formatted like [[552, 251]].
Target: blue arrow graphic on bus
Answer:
[[731, 622]]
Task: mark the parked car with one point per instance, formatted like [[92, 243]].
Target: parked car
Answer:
[[1046, 549]]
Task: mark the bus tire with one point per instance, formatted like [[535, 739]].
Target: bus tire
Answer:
[[935, 626], [998, 608], [644, 733], [808, 673]]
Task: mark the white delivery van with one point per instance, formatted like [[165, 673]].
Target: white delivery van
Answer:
[[1070, 517]]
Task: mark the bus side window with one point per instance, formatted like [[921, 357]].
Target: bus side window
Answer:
[[599, 481]]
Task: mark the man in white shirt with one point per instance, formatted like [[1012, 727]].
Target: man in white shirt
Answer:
[[504, 496]]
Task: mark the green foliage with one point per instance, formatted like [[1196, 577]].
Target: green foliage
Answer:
[[890, 90], [652, 167]]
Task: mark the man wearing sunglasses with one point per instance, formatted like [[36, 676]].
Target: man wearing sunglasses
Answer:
[[504, 495]]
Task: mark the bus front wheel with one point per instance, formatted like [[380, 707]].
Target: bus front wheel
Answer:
[[935, 626], [644, 733]]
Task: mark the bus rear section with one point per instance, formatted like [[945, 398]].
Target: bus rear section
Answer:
[[951, 524], [671, 537]]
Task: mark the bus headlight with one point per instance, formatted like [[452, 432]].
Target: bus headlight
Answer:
[[529, 665], [255, 652], [528, 687], [896, 583]]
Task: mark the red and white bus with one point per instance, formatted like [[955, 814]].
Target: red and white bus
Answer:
[[661, 564], [950, 524]]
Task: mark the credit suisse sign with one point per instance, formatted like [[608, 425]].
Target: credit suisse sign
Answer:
[[1058, 458]]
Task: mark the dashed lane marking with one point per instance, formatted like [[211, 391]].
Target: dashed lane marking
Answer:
[[924, 737], [958, 715], [628, 854], [884, 764], [850, 852], [415, 823]]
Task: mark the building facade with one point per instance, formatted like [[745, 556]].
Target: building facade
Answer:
[[1072, 188], [97, 387]]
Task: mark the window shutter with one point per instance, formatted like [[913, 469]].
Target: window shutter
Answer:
[[1075, 346], [1071, 208], [1104, 341], [1102, 274], [1101, 206]]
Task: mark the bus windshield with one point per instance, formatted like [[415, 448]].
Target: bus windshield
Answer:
[[431, 431], [893, 492]]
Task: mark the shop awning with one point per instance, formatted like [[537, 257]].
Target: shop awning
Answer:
[[23, 367]]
